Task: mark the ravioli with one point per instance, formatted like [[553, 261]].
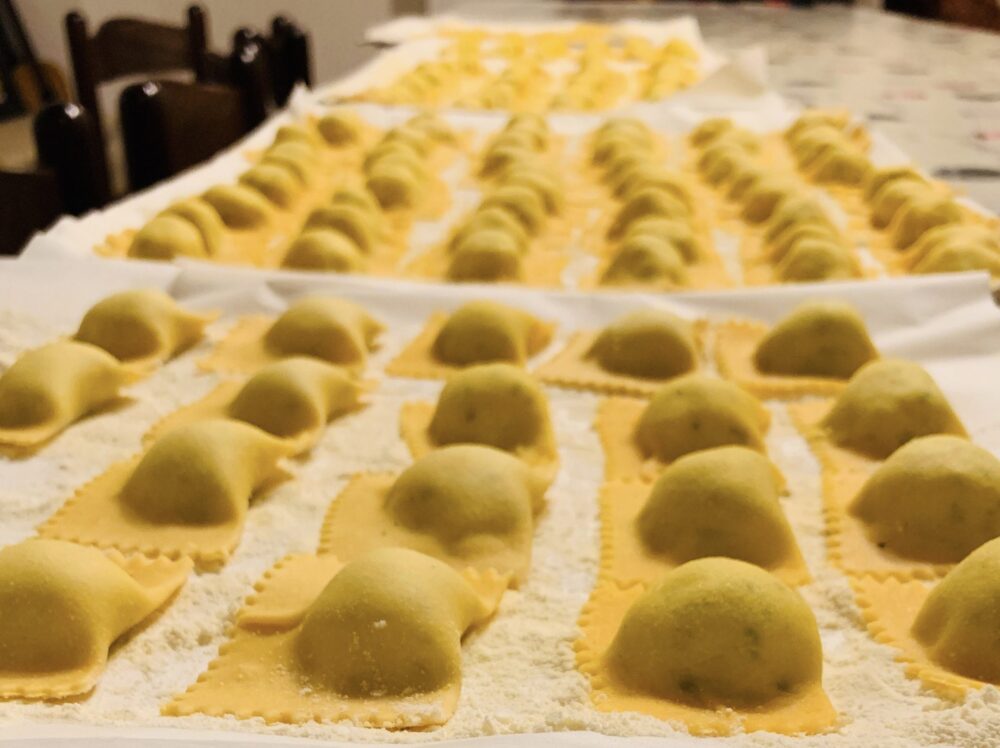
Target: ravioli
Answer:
[[818, 339], [292, 399], [645, 259], [274, 182], [935, 499], [675, 232], [891, 197], [239, 206], [330, 329], [957, 623], [646, 343], [494, 404], [187, 495], [696, 412], [520, 201], [377, 641], [715, 643], [466, 504], [887, 403], [168, 236], [718, 502], [956, 258], [761, 200], [324, 249], [497, 405], [63, 605], [485, 331], [921, 214], [140, 326], [352, 221], [815, 260], [47, 389], [491, 219], [486, 255], [340, 128], [393, 185], [650, 201], [955, 237]]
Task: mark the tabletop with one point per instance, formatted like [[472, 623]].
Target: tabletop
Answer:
[[933, 88]]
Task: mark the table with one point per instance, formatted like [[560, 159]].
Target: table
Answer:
[[933, 88]]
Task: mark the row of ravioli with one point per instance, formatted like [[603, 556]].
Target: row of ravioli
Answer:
[[695, 616], [691, 505], [603, 75], [328, 194], [654, 233], [430, 534], [909, 222], [516, 231]]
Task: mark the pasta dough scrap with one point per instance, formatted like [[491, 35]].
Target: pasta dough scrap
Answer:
[[477, 332], [49, 388], [718, 502], [187, 495], [885, 404], [934, 500], [330, 329], [63, 605], [141, 326], [633, 355], [498, 405], [292, 399], [716, 644], [376, 641], [945, 635], [812, 351], [468, 505]]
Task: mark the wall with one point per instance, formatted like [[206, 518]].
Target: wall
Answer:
[[335, 26]]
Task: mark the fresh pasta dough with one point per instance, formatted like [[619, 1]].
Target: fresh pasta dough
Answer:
[[486, 255], [885, 404], [466, 504], [935, 499], [141, 325], [957, 623], [377, 641], [352, 221], [63, 606], [818, 339], [717, 502], [486, 331], [326, 328], [166, 237], [697, 412], [718, 632], [49, 388], [295, 397], [498, 405], [324, 249], [340, 128], [647, 343], [645, 259], [239, 206], [202, 473], [274, 182]]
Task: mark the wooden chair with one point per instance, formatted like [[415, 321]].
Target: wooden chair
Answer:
[[127, 46], [290, 58], [169, 126], [65, 180]]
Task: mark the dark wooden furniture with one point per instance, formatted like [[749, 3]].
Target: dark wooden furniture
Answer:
[[65, 181], [127, 46], [168, 126], [290, 58]]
